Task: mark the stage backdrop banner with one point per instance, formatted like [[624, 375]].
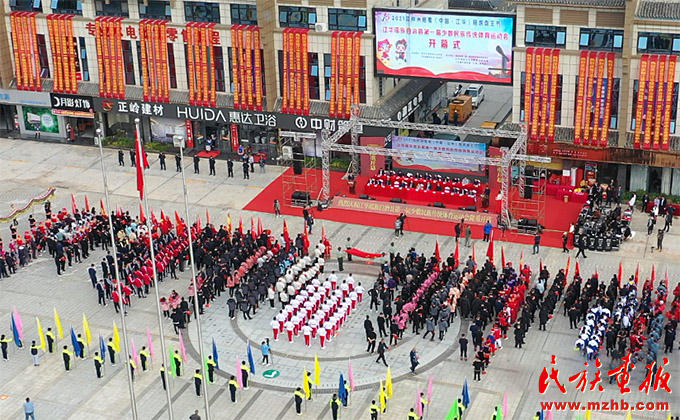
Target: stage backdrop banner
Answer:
[[372, 163], [440, 146]]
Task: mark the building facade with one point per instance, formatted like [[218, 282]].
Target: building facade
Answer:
[[580, 67]]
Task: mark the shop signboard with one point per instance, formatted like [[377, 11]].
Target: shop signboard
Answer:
[[40, 119], [24, 97], [72, 105]]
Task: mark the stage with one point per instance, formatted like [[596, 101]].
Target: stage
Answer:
[[349, 208]]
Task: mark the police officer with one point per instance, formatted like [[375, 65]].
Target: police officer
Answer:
[[196, 168], [161, 159], [112, 351], [233, 386], [374, 410], [230, 168], [163, 376], [335, 406], [66, 355], [198, 380], [144, 356], [211, 369], [121, 158], [178, 163], [211, 164], [132, 157], [299, 397], [98, 363]]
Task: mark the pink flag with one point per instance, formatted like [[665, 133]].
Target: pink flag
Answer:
[[19, 324], [182, 348], [429, 390], [350, 374], [548, 415], [150, 343], [133, 349], [419, 405], [239, 376], [505, 405]]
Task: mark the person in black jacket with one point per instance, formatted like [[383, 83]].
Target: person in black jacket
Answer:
[[244, 306]]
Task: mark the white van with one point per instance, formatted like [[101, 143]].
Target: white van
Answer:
[[476, 91]]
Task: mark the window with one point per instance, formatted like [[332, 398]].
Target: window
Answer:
[[545, 36], [243, 14], [72, 7], [128, 65], [171, 66], [601, 39], [42, 55], [26, 5], [231, 70], [202, 11], [346, 20], [658, 43], [154, 9], [111, 8], [674, 106], [297, 17], [614, 110], [362, 78], [218, 58], [313, 75], [558, 104], [82, 55]]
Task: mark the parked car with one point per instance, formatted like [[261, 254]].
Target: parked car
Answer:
[[476, 91]]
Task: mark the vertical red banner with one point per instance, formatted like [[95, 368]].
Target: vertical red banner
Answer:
[[659, 101], [350, 71], [604, 136], [189, 128], [214, 40], [528, 75], [233, 128], [34, 56], [115, 51], [118, 45], [305, 72], [191, 64], [553, 94], [334, 52], [72, 54], [143, 41], [257, 58], [165, 73], [342, 39], [592, 67], [98, 47], [538, 72], [198, 54], [357, 67], [208, 68], [651, 105], [27, 49], [545, 82], [65, 68], [242, 66], [15, 49], [249, 66], [298, 72], [234, 66], [599, 93], [284, 71], [642, 79], [670, 85], [50, 30]]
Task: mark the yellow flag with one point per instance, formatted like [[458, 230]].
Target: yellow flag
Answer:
[[317, 370], [388, 382], [41, 334], [629, 415], [86, 329], [305, 384], [116, 338], [669, 417], [383, 397], [587, 414], [229, 222], [57, 322]]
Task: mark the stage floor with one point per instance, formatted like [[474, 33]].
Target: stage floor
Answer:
[[348, 208]]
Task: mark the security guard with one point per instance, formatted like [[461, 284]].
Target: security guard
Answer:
[[34, 353], [245, 372], [198, 379], [335, 406], [423, 402], [348, 389], [112, 351], [133, 367], [537, 416], [49, 335], [178, 163], [233, 386], [211, 369], [178, 363], [82, 343], [3, 346], [144, 356], [98, 363], [374, 410], [412, 415], [299, 397], [66, 355], [163, 376], [309, 379]]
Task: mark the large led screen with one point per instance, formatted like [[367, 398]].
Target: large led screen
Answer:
[[454, 46]]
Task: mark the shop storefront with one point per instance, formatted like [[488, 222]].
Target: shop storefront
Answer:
[[77, 114], [28, 113]]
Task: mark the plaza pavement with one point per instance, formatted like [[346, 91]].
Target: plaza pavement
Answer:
[[28, 168]]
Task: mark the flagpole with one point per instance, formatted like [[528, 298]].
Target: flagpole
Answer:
[[152, 256], [192, 262], [133, 399]]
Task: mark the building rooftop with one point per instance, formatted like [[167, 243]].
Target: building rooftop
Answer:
[[658, 9], [486, 5], [577, 3]]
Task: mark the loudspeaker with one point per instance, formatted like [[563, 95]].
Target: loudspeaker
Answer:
[[364, 196], [471, 208], [298, 158], [528, 222], [395, 200], [528, 190], [300, 198], [439, 204]]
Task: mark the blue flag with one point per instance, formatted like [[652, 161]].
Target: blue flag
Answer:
[[251, 361], [15, 333], [541, 415], [215, 355], [342, 391], [466, 395], [102, 347], [75, 343]]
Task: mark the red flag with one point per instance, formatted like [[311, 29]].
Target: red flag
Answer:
[[229, 223], [637, 273], [566, 271], [305, 237], [101, 206], [620, 272], [142, 216], [253, 232], [141, 162], [502, 256], [323, 233], [474, 256], [666, 278], [260, 230], [437, 255], [653, 275], [87, 203], [489, 249], [118, 211], [74, 206], [540, 265], [207, 217], [153, 218], [180, 225], [162, 215], [521, 259], [240, 225], [286, 235], [597, 273], [456, 254], [577, 269]]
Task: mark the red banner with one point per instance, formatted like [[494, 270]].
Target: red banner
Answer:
[[357, 67], [342, 54], [14, 25], [597, 101], [372, 163], [249, 65], [72, 54], [51, 30], [233, 128], [650, 108], [592, 67], [334, 60], [659, 101], [257, 57], [553, 94], [545, 80], [98, 47], [285, 86], [538, 71], [305, 72], [28, 52], [115, 52], [642, 78], [670, 83], [242, 66], [191, 62], [165, 68], [350, 71], [528, 76], [604, 136], [189, 127], [234, 65], [298, 71]]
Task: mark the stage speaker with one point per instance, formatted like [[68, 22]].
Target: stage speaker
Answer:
[[300, 198], [528, 190], [364, 196], [439, 204], [395, 200], [471, 208], [298, 158]]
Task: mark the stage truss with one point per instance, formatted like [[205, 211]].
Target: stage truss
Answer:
[[308, 179], [516, 155]]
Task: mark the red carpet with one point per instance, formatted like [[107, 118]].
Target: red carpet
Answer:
[[206, 154], [556, 221]]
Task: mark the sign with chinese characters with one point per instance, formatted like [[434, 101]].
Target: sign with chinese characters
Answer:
[[22, 97], [371, 163], [72, 105], [409, 108], [446, 45], [437, 146]]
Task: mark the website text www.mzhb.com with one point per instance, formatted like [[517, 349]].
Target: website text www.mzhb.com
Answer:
[[612, 405]]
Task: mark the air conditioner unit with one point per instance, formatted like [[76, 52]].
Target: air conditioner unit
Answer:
[[320, 27], [287, 152]]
